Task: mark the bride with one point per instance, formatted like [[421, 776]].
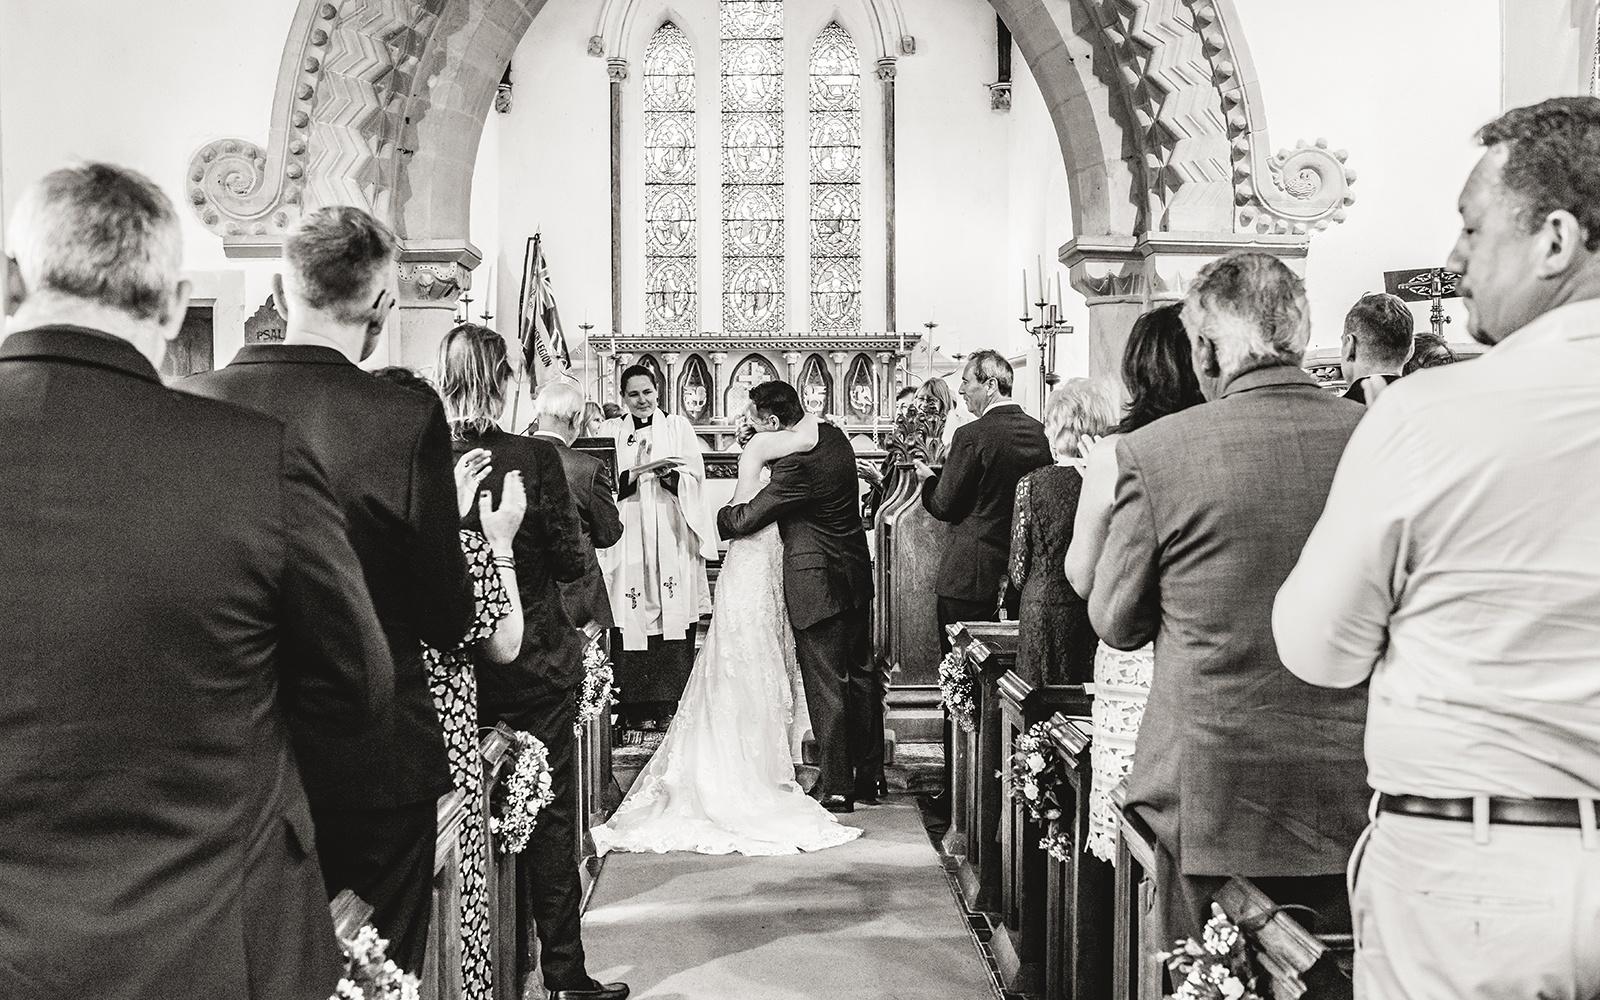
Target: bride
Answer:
[[723, 779]]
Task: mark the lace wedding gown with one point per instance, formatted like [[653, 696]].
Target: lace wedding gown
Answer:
[[723, 779], [1121, 685]]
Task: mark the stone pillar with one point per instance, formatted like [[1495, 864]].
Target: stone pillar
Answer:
[[719, 361], [840, 404], [605, 376], [617, 71], [886, 74], [888, 361], [668, 391], [792, 360], [431, 275]]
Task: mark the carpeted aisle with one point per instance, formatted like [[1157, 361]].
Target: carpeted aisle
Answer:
[[872, 920]]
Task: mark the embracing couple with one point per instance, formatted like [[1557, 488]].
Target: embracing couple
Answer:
[[793, 611]]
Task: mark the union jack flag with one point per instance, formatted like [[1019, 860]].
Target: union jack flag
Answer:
[[538, 322]]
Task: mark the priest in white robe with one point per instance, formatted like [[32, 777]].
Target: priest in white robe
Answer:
[[656, 575]]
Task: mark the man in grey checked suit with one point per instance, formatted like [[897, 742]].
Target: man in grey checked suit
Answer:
[[1241, 768]]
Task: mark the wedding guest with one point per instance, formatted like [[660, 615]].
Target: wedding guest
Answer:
[[496, 635], [593, 417], [1055, 642], [559, 408], [611, 411], [1241, 768], [1159, 378], [976, 490], [1430, 351], [537, 692], [387, 452], [657, 575], [175, 574], [1455, 566], [1379, 333]]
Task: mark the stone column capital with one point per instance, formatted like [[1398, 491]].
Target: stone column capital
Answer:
[[617, 70], [886, 69]]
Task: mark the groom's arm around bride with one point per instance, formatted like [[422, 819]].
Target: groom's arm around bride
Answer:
[[827, 579]]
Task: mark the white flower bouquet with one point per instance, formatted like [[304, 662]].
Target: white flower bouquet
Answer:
[[1217, 967], [955, 685], [597, 694], [368, 972], [529, 789], [1036, 782]]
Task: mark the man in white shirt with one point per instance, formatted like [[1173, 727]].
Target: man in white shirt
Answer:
[[1457, 564]]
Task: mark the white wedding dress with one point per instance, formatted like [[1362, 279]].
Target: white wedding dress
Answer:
[[723, 779]]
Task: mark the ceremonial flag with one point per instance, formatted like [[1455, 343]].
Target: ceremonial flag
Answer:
[[538, 323]]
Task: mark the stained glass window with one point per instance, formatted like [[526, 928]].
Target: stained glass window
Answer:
[[671, 270], [752, 165], [835, 123]]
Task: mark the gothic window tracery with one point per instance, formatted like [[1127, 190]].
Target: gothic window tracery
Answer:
[[751, 372], [694, 390], [861, 391], [835, 176], [672, 272], [816, 386], [751, 57]]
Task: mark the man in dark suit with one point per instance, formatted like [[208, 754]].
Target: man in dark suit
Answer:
[[559, 411], [1379, 335], [387, 451], [976, 492], [827, 583], [173, 573], [1241, 768], [538, 691]]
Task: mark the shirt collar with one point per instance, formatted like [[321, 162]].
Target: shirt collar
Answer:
[[294, 354], [1573, 321], [1265, 377], [646, 422], [81, 345], [1004, 402]]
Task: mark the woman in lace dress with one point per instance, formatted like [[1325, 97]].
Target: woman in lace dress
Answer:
[[1055, 642], [1159, 379], [723, 779]]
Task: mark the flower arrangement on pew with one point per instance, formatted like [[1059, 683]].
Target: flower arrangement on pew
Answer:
[[598, 694], [1036, 781], [529, 789], [368, 972], [1217, 967], [955, 685]]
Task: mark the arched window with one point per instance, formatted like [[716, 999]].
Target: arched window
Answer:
[[861, 390], [663, 399], [751, 372], [835, 124], [816, 386], [752, 166], [671, 271], [694, 390]]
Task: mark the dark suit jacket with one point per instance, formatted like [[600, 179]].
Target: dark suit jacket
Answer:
[[387, 452], [975, 492], [589, 482], [550, 551], [172, 570], [1241, 768], [813, 497], [1357, 392]]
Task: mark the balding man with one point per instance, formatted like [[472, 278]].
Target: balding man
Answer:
[[174, 572], [1379, 334]]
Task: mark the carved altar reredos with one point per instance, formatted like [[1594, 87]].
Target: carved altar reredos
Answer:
[[1158, 113]]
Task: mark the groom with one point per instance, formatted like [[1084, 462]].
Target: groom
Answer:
[[827, 582]]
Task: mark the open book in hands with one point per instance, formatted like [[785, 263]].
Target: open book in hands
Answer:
[[659, 465]]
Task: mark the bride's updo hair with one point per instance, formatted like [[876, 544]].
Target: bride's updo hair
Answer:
[[778, 399]]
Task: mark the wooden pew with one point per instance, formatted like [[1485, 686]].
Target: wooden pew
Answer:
[[502, 882], [440, 974], [1079, 914], [1136, 972], [1019, 939], [973, 841], [1297, 963]]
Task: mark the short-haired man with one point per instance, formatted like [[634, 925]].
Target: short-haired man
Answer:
[[172, 571], [1241, 767], [387, 451], [558, 412], [976, 492], [1456, 567], [1379, 333]]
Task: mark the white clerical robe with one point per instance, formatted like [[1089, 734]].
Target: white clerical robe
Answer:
[[656, 576]]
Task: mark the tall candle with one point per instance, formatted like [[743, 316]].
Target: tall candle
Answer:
[[1043, 291], [1025, 310], [1058, 292]]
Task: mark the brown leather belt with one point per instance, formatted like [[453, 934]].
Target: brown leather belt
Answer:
[[1510, 812]]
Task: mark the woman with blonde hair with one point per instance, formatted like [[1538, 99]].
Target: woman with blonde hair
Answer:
[[1056, 643]]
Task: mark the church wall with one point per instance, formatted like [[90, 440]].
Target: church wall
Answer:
[[1547, 49], [1402, 86]]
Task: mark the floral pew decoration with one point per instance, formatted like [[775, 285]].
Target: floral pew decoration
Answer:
[[956, 688], [519, 799], [369, 974], [1038, 778], [1216, 967], [597, 695]]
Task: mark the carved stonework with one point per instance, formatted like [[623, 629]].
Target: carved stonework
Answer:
[[886, 69], [502, 98], [426, 281], [597, 46], [617, 70], [266, 325], [1000, 96]]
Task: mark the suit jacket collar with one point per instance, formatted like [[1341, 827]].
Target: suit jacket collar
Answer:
[[1262, 378], [1003, 406], [555, 439], [80, 345], [293, 354]]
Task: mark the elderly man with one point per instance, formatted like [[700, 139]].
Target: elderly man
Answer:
[[976, 491], [172, 571], [1379, 332], [558, 412], [387, 451], [1456, 566], [1241, 768]]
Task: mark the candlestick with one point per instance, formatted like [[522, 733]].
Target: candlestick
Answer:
[[1024, 289], [1038, 260], [1058, 292]]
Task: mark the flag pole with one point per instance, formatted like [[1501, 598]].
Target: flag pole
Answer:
[[522, 304]]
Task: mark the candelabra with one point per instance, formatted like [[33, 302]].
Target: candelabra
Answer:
[[1044, 333], [588, 355]]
